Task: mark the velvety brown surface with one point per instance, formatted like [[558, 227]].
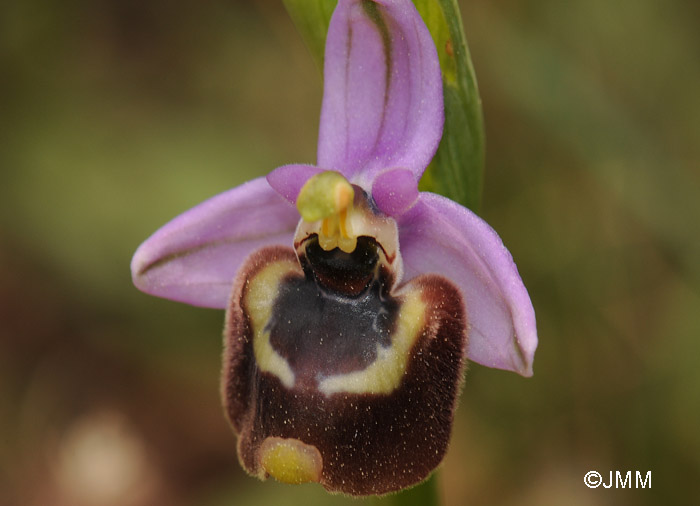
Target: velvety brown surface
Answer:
[[370, 443], [238, 365]]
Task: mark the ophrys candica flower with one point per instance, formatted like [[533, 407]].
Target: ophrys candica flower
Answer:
[[353, 300]]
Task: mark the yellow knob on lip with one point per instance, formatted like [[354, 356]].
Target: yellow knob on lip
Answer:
[[291, 461]]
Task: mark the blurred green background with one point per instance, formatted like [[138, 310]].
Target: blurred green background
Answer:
[[117, 115]]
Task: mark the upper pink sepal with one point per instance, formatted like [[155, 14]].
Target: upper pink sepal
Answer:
[[382, 101]]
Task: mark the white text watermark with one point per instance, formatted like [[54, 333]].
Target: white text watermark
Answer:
[[618, 479]]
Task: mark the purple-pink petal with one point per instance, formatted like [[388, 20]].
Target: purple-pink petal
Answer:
[[395, 191], [442, 237], [194, 258], [382, 102], [288, 179]]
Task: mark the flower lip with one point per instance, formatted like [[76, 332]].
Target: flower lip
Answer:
[[325, 379]]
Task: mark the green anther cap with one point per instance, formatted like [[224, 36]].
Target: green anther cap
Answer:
[[324, 195]]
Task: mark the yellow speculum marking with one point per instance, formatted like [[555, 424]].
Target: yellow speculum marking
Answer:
[[328, 197], [290, 460], [384, 375], [262, 289]]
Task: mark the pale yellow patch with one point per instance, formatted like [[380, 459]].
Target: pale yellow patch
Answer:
[[262, 291], [290, 460], [384, 375]]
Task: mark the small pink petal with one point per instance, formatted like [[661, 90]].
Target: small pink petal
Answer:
[[395, 191], [288, 179]]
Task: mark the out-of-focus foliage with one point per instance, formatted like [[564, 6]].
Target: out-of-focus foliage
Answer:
[[117, 115]]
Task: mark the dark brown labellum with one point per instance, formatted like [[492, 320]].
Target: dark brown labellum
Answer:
[[331, 376]]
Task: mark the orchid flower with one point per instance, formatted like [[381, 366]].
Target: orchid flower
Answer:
[[353, 300]]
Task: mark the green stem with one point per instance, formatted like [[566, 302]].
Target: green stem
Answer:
[[458, 166], [425, 494]]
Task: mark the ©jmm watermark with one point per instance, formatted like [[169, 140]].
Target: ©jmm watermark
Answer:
[[617, 479]]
